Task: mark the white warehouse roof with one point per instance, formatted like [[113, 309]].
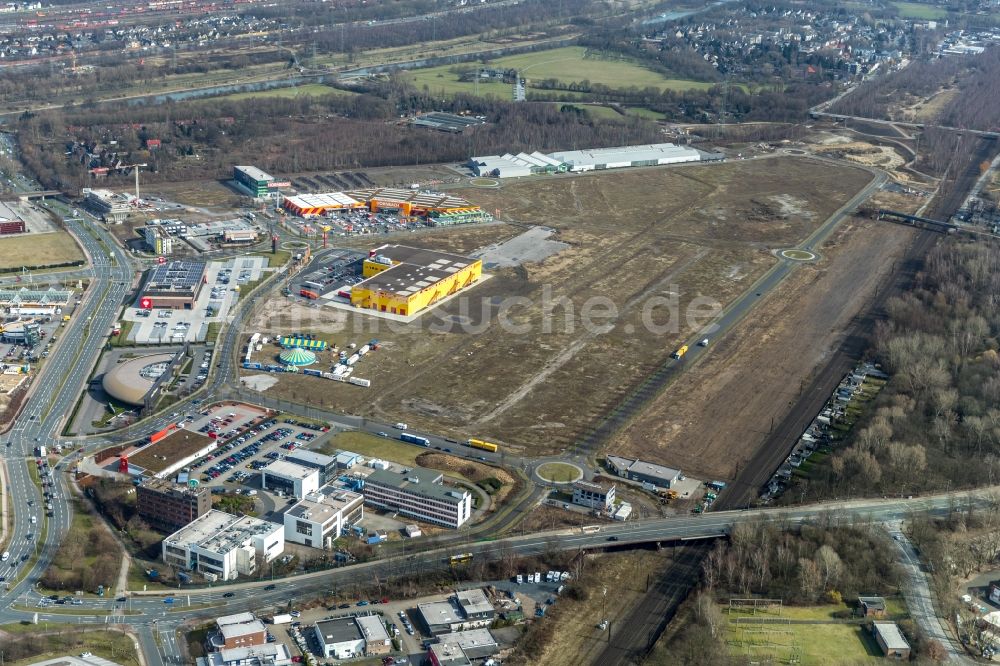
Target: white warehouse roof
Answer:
[[659, 153], [329, 199]]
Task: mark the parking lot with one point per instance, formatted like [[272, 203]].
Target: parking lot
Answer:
[[355, 222], [332, 273], [250, 442], [221, 292]]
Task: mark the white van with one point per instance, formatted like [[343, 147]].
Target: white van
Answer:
[[400, 426], [5, 556]]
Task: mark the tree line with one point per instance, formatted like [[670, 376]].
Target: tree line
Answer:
[[936, 424], [289, 135]]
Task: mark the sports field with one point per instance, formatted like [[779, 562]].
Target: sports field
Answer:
[[639, 238], [919, 10], [567, 64], [811, 635], [57, 247]]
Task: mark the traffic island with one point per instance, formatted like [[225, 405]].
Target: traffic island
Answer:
[[558, 472]]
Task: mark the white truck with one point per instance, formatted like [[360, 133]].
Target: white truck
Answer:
[[283, 618]]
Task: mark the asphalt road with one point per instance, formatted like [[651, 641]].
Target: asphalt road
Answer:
[[919, 599]]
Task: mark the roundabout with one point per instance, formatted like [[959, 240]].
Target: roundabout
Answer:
[[558, 472], [797, 255]]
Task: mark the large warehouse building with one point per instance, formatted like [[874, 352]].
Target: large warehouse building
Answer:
[[440, 208], [174, 285], [594, 159], [405, 280]]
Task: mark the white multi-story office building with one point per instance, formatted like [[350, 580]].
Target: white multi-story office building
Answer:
[[291, 478], [224, 546], [320, 517], [420, 494]]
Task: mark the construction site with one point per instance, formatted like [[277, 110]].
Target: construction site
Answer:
[[652, 240]]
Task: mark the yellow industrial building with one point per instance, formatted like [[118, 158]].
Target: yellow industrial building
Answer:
[[405, 280]]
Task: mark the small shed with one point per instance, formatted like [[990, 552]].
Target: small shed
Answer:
[[871, 606]]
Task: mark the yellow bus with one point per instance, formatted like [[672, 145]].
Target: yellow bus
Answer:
[[461, 558], [480, 444]]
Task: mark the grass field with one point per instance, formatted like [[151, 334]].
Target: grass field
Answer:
[[393, 450], [57, 247], [371, 446], [314, 89], [813, 644], [918, 10], [642, 237], [558, 472], [566, 64], [113, 645]]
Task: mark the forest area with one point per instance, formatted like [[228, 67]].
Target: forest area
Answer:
[[977, 79], [936, 425], [286, 135]]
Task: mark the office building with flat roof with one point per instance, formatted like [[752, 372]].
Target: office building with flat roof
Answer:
[[222, 546], [158, 240], [347, 637], [239, 630], [175, 284], [594, 495], [326, 465], [290, 478], [418, 493], [254, 181], [168, 507], [319, 518], [640, 470], [463, 647]]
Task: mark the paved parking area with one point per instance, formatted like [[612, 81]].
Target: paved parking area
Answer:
[[531, 246], [335, 271], [221, 292], [237, 464]]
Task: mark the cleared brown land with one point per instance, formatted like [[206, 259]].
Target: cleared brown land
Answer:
[[694, 231], [712, 419], [57, 247], [159, 456]]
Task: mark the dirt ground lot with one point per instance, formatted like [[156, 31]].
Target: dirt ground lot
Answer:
[[57, 247], [677, 233], [208, 193], [713, 418]]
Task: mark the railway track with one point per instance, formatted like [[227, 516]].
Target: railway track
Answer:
[[634, 636]]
